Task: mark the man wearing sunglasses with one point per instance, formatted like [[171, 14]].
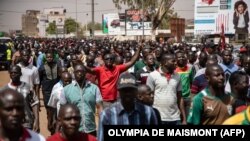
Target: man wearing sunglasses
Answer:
[[108, 75]]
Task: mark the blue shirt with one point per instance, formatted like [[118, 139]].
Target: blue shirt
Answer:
[[116, 115], [228, 70], [85, 99], [39, 62]]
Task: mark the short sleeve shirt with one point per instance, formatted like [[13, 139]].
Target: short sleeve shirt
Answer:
[[209, 110], [107, 81], [165, 94], [30, 75], [85, 99]]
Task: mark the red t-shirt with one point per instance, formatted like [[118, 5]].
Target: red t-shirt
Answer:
[[91, 77], [81, 137], [107, 81]]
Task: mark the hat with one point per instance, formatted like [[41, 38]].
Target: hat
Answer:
[[127, 80], [193, 49]]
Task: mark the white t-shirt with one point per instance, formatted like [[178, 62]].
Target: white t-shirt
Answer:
[[241, 22], [30, 75], [54, 100]]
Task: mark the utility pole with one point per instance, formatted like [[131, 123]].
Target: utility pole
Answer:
[[76, 20], [93, 17], [92, 27], [86, 24], [143, 20]]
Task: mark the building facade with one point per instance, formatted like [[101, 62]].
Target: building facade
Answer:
[[30, 22], [50, 15]]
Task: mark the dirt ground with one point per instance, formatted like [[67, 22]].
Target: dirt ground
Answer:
[[4, 79]]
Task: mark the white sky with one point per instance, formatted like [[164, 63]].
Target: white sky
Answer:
[[11, 10]]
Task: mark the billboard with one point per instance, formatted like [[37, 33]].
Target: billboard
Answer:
[[105, 23], [211, 14], [135, 19], [112, 25]]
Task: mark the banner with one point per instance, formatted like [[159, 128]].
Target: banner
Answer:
[[211, 14], [112, 24], [134, 22], [105, 23]]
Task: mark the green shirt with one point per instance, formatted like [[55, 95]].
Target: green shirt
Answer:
[[140, 64], [186, 75], [209, 110], [85, 99]]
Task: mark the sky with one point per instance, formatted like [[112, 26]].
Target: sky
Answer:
[[12, 10]]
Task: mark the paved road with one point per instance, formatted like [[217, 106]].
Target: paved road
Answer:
[[4, 79]]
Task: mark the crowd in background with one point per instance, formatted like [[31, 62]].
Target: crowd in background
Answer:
[[123, 83]]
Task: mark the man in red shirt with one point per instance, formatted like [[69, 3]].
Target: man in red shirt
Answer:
[[108, 75], [69, 119]]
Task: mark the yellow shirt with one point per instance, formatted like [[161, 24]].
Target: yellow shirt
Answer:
[[8, 54], [242, 118]]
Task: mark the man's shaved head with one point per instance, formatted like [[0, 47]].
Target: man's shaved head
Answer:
[[66, 75], [8, 94], [143, 88], [15, 67], [145, 95], [212, 68], [69, 118], [215, 76], [66, 107], [11, 110], [63, 69], [211, 62]]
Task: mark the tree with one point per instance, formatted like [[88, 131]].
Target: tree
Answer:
[[98, 26], [158, 9], [51, 29], [165, 23], [70, 25]]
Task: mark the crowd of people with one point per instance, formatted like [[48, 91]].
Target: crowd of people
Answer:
[[121, 83]]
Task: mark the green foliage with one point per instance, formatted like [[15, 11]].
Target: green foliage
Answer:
[[71, 25], [98, 26], [165, 23], [51, 29], [136, 4]]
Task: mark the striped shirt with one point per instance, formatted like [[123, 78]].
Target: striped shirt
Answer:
[[116, 115], [199, 82]]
